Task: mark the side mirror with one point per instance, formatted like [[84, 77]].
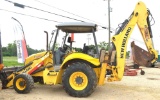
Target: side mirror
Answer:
[[69, 40]]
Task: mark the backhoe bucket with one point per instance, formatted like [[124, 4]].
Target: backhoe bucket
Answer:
[[141, 56]]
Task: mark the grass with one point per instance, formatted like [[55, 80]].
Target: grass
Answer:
[[11, 61]]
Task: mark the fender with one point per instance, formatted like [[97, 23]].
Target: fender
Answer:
[[83, 56]]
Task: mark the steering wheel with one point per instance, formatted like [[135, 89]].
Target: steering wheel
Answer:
[[66, 47]]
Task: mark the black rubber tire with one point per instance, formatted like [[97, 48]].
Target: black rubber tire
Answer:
[[88, 71], [29, 83], [142, 72]]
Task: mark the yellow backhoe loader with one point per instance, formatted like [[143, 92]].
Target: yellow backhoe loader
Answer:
[[79, 72]]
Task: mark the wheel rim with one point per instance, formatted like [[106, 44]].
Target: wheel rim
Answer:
[[21, 84], [78, 81]]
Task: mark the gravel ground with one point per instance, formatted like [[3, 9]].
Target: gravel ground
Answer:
[[140, 87]]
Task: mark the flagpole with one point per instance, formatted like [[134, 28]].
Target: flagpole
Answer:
[[22, 29]]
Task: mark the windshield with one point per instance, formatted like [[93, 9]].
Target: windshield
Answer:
[[75, 41]]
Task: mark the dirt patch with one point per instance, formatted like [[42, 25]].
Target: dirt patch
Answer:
[[153, 78], [140, 87]]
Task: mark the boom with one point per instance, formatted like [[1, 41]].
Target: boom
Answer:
[[140, 16]]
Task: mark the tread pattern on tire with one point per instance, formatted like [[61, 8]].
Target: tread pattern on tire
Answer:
[[92, 79], [29, 83]]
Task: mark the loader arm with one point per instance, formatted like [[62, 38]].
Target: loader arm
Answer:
[[140, 16]]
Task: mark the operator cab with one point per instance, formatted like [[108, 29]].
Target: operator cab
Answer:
[[64, 39]]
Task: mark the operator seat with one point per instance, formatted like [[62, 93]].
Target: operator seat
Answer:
[[85, 49]]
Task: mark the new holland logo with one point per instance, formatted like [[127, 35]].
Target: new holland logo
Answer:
[[124, 42]]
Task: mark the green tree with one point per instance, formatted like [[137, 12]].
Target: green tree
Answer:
[[11, 50], [77, 49], [5, 51], [92, 47], [103, 45], [33, 51], [127, 54]]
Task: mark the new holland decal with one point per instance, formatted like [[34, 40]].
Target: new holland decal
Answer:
[[124, 42]]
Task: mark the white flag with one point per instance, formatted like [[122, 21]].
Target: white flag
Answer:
[[22, 53]]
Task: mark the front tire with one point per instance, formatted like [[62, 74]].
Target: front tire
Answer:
[[79, 80], [23, 83]]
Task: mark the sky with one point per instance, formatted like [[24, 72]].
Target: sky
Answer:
[[95, 10]]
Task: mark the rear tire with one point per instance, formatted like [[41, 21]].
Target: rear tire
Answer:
[[23, 83], [79, 80]]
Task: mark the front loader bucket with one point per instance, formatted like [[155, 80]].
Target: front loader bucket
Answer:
[[141, 56], [5, 73]]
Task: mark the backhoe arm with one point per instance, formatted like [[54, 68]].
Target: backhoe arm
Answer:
[[140, 16]]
